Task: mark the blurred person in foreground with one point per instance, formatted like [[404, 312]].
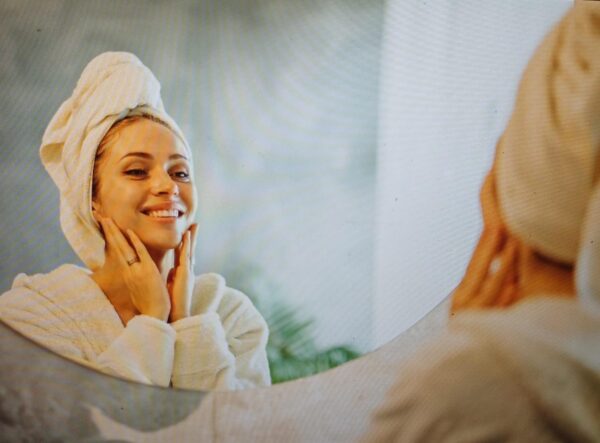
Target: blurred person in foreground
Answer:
[[521, 358]]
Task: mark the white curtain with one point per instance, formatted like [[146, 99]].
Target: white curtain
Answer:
[[449, 75]]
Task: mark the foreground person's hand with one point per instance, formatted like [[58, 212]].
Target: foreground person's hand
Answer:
[[180, 282], [492, 274], [132, 271]]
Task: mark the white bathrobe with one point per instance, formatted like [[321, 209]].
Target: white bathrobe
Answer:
[[67, 312], [530, 373]]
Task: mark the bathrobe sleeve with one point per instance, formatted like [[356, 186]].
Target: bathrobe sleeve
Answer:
[[85, 328], [222, 346], [143, 352]]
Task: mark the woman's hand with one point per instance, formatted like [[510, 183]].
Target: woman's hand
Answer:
[[180, 282], [131, 272]]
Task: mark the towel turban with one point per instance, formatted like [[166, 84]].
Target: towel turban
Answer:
[[547, 164], [111, 87]]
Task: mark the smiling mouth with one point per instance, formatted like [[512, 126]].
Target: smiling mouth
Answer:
[[164, 213]]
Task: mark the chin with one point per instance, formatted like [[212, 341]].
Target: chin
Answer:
[[163, 242]]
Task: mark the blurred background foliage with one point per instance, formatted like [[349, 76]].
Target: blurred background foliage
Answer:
[[292, 350]]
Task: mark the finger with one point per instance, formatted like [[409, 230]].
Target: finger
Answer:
[[488, 247], [112, 249], [176, 253], [110, 252], [124, 251], [508, 292], [170, 282], [97, 218], [104, 233], [184, 253], [493, 284], [508, 295], [194, 230], [171, 275], [140, 249]]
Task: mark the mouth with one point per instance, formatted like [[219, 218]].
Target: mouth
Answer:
[[164, 214]]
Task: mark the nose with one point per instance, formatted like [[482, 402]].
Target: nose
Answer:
[[164, 184]]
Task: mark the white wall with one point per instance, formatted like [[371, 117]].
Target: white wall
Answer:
[[286, 171], [449, 74]]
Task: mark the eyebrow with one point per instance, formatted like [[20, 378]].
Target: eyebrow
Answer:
[[149, 156]]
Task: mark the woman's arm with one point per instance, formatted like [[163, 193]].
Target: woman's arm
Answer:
[[143, 352]]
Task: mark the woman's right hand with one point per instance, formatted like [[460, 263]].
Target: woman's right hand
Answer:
[[140, 280]]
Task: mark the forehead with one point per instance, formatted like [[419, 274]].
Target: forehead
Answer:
[[144, 135]]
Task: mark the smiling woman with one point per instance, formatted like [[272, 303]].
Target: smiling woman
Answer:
[[143, 184], [128, 202]]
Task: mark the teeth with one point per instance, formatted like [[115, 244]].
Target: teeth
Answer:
[[164, 213]]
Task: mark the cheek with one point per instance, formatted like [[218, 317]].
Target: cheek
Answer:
[[117, 200]]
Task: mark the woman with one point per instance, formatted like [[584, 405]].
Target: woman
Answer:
[[521, 358], [124, 172]]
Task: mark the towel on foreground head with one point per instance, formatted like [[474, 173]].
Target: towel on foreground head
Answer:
[[112, 86], [548, 166]]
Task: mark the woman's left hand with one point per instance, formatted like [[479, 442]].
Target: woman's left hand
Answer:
[[180, 281]]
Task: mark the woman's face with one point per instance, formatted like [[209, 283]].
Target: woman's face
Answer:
[[145, 184]]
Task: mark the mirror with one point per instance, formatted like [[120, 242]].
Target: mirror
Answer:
[[339, 146]]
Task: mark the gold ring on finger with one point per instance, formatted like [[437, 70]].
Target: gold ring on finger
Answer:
[[133, 260]]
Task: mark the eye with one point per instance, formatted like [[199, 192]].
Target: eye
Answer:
[[181, 175], [136, 172]]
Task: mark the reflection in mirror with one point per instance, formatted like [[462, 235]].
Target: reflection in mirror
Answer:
[[337, 149], [127, 207]]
